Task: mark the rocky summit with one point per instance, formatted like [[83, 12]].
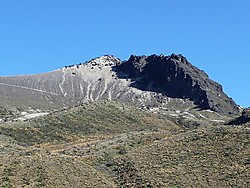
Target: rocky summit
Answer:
[[148, 81], [175, 77]]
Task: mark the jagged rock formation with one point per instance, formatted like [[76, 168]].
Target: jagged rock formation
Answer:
[[244, 118], [145, 80], [175, 77]]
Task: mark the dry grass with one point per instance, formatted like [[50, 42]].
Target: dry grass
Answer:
[[218, 157], [108, 144]]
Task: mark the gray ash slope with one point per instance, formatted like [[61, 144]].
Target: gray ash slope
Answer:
[[144, 80]]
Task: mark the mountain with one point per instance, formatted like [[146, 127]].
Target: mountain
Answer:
[[150, 121], [149, 81]]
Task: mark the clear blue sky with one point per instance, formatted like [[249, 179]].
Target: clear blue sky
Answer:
[[42, 35]]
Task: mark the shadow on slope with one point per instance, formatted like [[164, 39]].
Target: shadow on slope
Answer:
[[175, 77]]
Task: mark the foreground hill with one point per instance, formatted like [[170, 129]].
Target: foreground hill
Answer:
[[110, 144], [215, 157], [68, 148]]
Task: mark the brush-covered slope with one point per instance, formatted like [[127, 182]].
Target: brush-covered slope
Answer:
[[214, 157], [110, 144], [69, 148], [144, 80]]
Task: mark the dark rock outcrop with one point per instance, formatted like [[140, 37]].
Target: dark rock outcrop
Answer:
[[244, 118], [175, 77], [246, 113]]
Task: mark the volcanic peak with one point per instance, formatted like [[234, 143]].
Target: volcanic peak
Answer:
[[175, 77], [144, 80]]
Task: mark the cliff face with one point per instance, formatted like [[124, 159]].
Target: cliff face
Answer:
[[144, 80], [175, 77]]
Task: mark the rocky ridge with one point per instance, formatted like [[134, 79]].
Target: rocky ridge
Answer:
[[175, 77], [243, 119], [148, 81]]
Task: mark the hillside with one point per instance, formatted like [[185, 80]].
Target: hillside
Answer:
[[40, 152], [215, 157], [110, 144], [149, 121]]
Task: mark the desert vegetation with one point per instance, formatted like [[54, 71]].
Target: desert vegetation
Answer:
[[109, 144]]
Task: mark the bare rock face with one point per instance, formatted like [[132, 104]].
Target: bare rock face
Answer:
[[175, 77], [144, 80], [246, 113], [244, 118]]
